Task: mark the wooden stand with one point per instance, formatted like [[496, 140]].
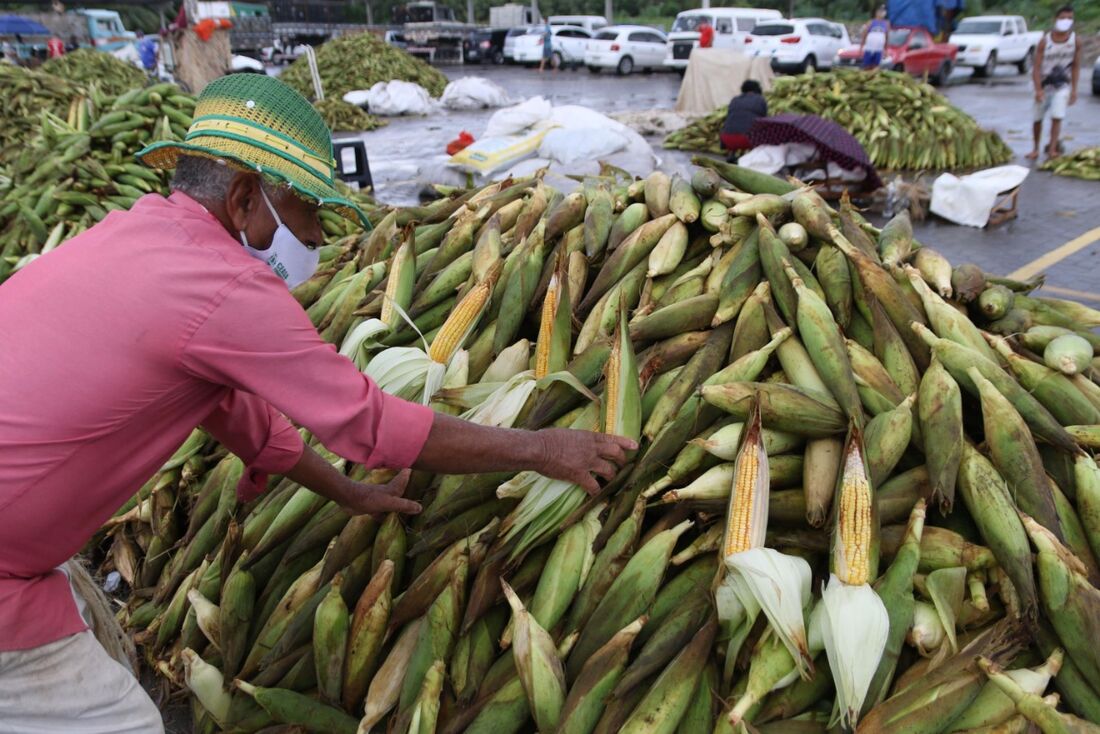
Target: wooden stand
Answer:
[[1004, 208], [198, 62]]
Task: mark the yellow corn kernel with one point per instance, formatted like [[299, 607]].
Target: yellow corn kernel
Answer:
[[546, 328], [853, 532], [458, 323], [611, 388], [746, 517]]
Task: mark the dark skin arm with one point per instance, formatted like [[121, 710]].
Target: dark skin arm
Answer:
[[358, 498]]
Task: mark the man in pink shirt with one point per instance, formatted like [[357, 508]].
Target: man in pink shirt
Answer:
[[175, 314]]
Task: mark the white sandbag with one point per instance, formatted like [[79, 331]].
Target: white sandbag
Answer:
[[969, 200], [765, 158], [474, 93], [518, 118], [397, 97], [357, 97], [569, 145]]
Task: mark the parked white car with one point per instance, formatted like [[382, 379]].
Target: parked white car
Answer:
[[625, 48], [590, 23], [731, 26], [510, 42], [569, 45], [985, 41], [799, 44]]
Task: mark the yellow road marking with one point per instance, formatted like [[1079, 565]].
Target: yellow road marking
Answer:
[[1071, 292], [1056, 255]]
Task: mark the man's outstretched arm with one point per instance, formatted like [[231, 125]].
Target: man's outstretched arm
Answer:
[[455, 446]]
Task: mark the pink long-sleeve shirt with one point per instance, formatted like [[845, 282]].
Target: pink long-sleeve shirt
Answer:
[[114, 347]]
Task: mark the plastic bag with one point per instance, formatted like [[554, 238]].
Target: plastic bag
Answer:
[[569, 145], [513, 120], [398, 98], [463, 141], [474, 93]]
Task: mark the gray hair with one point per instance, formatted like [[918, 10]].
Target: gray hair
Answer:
[[201, 178]]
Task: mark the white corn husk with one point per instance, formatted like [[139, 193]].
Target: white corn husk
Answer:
[[780, 586], [504, 405], [360, 340], [926, 634], [207, 684], [509, 363], [854, 626]]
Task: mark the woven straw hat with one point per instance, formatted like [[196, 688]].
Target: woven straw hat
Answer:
[[257, 123]]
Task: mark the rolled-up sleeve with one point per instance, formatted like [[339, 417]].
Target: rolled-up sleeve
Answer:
[[255, 338], [259, 435]]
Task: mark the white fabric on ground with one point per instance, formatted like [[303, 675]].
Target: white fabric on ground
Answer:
[[969, 200], [72, 686], [714, 76], [398, 97], [474, 93]]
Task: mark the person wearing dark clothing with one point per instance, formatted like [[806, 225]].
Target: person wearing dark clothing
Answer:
[[744, 110]]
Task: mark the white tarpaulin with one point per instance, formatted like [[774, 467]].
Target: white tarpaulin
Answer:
[[474, 93], [969, 200], [714, 77]]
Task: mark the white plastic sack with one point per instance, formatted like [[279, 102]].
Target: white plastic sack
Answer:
[[398, 98], [128, 53], [516, 119], [357, 97], [242, 63], [570, 145], [765, 158], [474, 93], [970, 199]]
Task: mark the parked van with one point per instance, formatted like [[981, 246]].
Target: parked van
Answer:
[[590, 23], [731, 27]]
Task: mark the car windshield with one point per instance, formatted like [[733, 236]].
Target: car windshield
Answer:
[[980, 27], [606, 36], [537, 30], [512, 33], [898, 37], [690, 22], [773, 29]]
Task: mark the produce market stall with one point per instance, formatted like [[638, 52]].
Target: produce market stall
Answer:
[[865, 477]]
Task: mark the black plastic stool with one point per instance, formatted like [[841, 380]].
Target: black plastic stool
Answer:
[[355, 168]]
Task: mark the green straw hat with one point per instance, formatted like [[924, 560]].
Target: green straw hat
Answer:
[[257, 123]]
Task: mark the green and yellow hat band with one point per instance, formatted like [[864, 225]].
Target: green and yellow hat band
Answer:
[[258, 123]]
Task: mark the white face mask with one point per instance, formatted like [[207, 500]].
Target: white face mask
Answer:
[[1063, 25], [287, 257]]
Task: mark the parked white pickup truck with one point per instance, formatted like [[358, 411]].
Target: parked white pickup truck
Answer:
[[985, 41]]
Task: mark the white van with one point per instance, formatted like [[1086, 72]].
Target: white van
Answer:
[[731, 27], [590, 23]]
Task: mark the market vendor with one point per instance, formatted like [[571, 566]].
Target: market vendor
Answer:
[[177, 314]]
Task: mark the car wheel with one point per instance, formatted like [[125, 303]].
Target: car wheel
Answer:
[[987, 69], [594, 69], [626, 65], [1025, 64], [498, 57], [809, 63], [940, 77]]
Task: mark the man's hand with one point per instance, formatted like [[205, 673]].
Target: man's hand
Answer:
[[1073, 97], [576, 456], [371, 499], [1039, 95]]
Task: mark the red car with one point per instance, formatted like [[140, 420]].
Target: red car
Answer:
[[911, 49]]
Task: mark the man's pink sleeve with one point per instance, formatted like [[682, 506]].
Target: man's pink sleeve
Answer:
[[257, 434], [257, 339]]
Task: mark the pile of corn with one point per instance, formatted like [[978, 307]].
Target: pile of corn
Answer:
[[903, 123], [341, 116], [1083, 163], [86, 66], [359, 61], [78, 165], [842, 477], [27, 93]]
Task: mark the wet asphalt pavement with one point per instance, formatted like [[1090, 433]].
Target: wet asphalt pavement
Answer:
[[1053, 210]]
